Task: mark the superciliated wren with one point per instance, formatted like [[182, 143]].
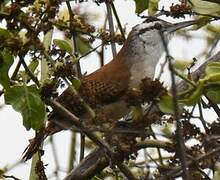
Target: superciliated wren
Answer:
[[105, 88]]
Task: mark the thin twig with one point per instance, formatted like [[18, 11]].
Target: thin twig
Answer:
[[79, 74], [74, 35], [11, 177], [27, 70], [190, 114], [124, 130], [55, 156], [158, 150], [16, 70], [101, 56], [126, 171], [86, 54], [162, 65], [206, 177], [101, 52], [82, 146], [111, 27], [179, 132], [72, 153], [153, 160], [185, 78], [214, 106], [76, 122], [150, 143], [118, 20], [202, 118]]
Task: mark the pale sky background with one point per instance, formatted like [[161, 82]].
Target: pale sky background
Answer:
[[14, 137]]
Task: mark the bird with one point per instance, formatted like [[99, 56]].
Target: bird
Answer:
[[104, 89]]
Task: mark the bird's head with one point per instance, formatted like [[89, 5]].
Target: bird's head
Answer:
[[145, 38], [152, 27], [144, 47]]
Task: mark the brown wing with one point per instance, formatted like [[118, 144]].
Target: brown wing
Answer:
[[107, 84], [100, 91], [104, 86]]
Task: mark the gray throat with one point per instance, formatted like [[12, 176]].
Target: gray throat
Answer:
[[145, 51]]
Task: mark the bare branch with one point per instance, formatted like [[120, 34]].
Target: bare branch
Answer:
[[111, 26], [126, 171], [96, 161]]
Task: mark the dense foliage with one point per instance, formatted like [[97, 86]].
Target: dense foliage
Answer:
[[41, 63]]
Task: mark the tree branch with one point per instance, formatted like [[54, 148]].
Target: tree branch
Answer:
[[176, 170], [96, 161], [126, 171], [76, 122]]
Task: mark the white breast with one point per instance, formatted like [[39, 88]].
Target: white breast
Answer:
[[148, 51]]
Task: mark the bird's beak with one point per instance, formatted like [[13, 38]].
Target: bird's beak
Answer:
[[180, 25]]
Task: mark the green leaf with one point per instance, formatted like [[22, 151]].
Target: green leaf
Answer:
[[32, 67], [76, 83], [141, 5], [213, 93], [153, 7], [44, 63], [5, 2], [205, 7], [195, 96], [167, 130], [215, 78], [182, 65], [23, 36], [64, 45], [213, 29], [4, 33], [203, 21], [83, 45], [2, 171], [212, 68], [166, 104], [213, 1], [27, 101], [217, 172], [212, 73], [6, 60]]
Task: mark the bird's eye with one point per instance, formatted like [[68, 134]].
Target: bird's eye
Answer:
[[158, 26]]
